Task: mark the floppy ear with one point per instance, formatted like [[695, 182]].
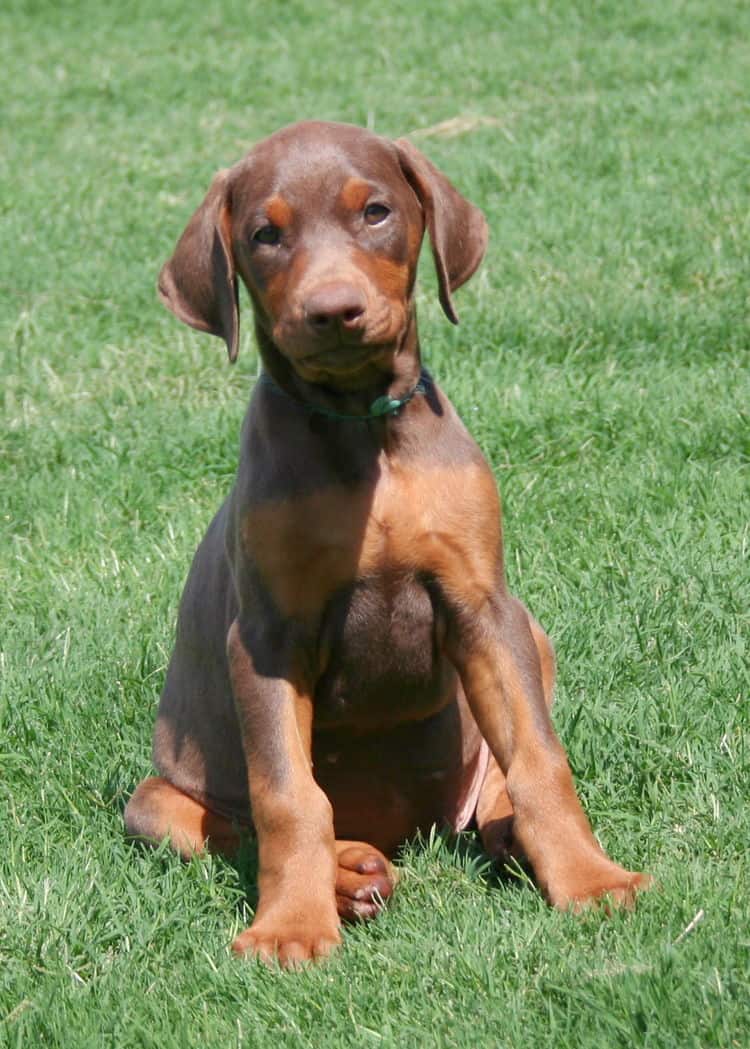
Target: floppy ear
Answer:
[[199, 283], [457, 230]]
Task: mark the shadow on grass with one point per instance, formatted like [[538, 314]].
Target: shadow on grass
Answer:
[[246, 865], [464, 851]]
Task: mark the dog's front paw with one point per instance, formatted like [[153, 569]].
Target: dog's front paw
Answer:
[[601, 883], [289, 940]]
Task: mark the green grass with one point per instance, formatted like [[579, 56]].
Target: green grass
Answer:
[[602, 362]]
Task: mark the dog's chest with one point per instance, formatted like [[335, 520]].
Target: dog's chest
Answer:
[[381, 654], [440, 523]]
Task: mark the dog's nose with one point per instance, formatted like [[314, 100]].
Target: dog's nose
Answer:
[[335, 305]]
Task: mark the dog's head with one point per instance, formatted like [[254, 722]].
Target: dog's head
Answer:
[[324, 223]]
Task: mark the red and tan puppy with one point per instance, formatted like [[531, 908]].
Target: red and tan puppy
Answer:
[[349, 666]]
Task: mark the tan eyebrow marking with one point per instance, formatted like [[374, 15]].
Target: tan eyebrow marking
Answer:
[[278, 211], [354, 194]]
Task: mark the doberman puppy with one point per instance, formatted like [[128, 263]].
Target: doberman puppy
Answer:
[[350, 667]]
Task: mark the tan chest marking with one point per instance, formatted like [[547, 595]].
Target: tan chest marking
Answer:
[[441, 521]]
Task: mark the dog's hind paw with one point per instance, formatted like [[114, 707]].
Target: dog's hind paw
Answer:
[[365, 880]]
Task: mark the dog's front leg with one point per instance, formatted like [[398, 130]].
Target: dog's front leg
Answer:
[[296, 919], [494, 651]]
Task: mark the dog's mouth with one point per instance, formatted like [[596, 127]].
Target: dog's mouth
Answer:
[[340, 361], [344, 354]]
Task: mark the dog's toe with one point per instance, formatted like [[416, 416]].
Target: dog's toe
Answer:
[[365, 880]]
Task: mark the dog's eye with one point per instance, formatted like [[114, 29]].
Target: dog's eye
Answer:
[[376, 213], [267, 234]]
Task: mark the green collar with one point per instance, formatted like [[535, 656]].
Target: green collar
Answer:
[[381, 406]]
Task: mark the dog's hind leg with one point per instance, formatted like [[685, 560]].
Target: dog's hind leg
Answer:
[[158, 810]]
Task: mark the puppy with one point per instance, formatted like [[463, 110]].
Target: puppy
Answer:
[[350, 667]]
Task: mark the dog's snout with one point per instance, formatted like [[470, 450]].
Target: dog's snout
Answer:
[[335, 305]]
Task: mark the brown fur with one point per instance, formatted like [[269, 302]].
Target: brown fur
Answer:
[[349, 666]]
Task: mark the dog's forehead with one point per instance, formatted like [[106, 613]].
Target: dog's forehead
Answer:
[[314, 158]]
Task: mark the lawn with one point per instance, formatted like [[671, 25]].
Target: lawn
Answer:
[[602, 364]]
